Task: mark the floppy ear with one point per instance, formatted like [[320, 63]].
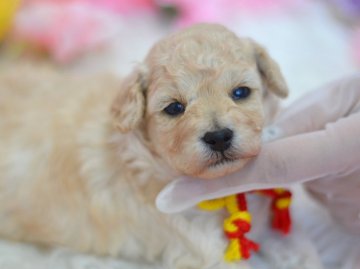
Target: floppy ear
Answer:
[[128, 107], [270, 72]]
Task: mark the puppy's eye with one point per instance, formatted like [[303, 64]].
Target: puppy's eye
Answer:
[[174, 109], [240, 93]]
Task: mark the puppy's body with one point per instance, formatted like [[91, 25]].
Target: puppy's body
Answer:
[[69, 177]]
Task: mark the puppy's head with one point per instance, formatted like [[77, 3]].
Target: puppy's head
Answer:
[[200, 95]]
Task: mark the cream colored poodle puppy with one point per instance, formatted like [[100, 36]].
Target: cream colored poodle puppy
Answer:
[[82, 159]]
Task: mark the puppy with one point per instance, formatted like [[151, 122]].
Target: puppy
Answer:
[[82, 159]]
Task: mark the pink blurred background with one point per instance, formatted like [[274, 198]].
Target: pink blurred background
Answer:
[[313, 41]]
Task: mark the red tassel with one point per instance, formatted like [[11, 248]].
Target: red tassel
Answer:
[[241, 202], [247, 246], [281, 220]]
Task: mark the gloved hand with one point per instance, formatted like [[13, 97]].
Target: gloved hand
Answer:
[[320, 139]]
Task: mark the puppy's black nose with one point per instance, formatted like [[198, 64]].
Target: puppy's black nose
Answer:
[[219, 140]]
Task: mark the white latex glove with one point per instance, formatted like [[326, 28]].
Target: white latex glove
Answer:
[[321, 140]]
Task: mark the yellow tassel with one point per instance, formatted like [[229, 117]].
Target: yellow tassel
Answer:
[[233, 251], [279, 190], [214, 204], [283, 203], [231, 204]]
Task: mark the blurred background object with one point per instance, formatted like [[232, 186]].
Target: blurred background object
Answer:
[[346, 10], [190, 12], [92, 35], [314, 41], [7, 13], [64, 29], [111, 34]]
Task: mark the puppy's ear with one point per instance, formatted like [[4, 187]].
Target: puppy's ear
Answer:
[[128, 107], [270, 72]]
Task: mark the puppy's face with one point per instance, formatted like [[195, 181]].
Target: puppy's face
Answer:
[[206, 122], [203, 100]]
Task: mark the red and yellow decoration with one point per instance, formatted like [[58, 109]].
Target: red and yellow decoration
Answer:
[[281, 200], [239, 222]]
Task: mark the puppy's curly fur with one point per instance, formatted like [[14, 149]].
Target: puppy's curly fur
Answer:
[[83, 158]]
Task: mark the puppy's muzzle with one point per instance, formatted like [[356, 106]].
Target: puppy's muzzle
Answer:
[[219, 140]]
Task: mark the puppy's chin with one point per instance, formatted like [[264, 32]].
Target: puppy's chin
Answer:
[[222, 169]]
